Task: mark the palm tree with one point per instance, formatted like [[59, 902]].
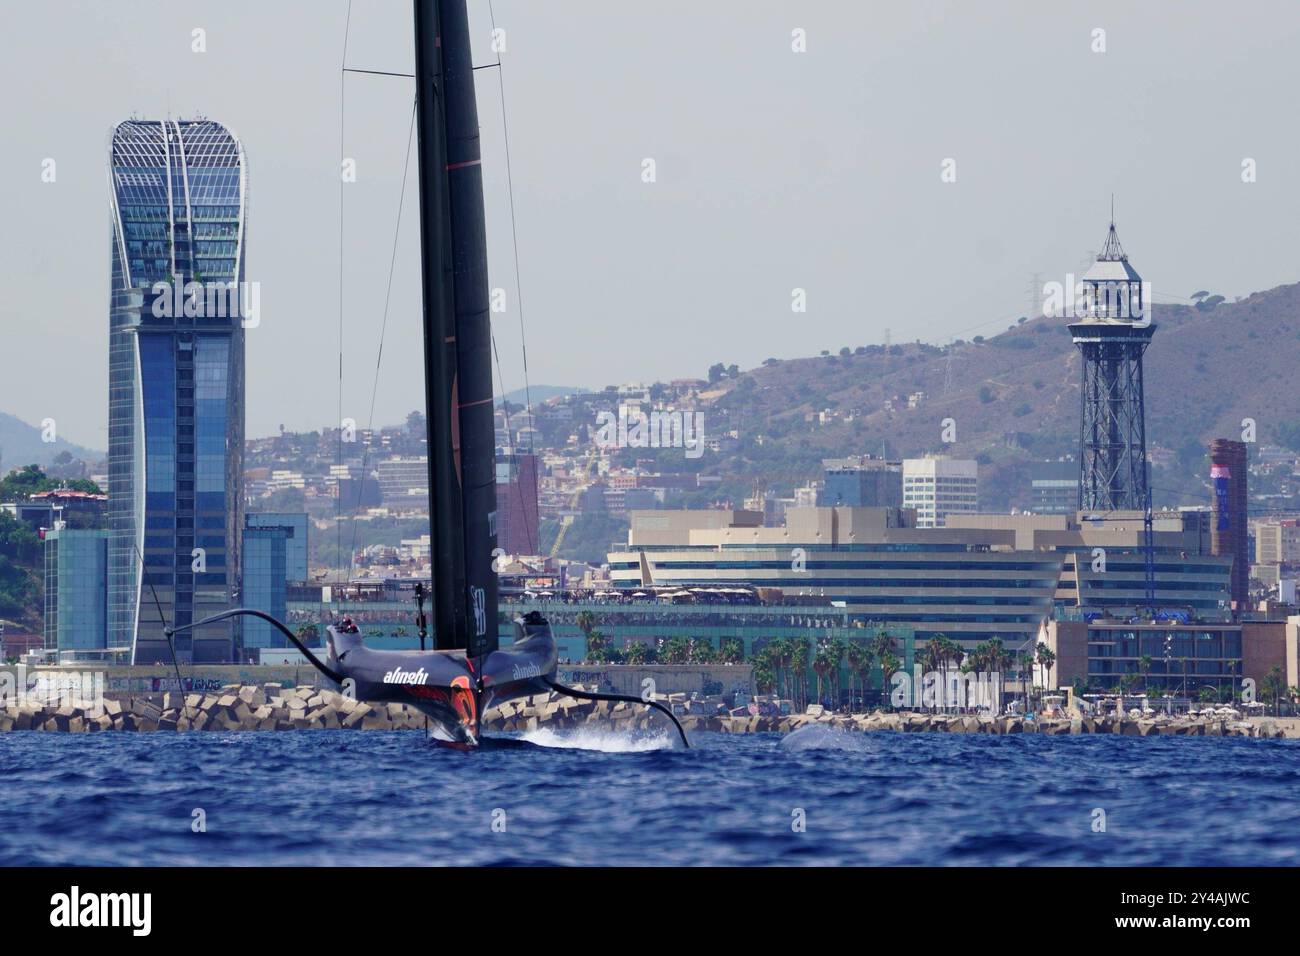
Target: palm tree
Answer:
[[1127, 682], [821, 667], [597, 646], [1024, 665], [676, 651], [835, 653], [764, 671], [932, 657], [853, 655], [1000, 658], [782, 650], [1046, 657], [1272, 686], [889, 665], [948, 653], [800, 658], [1144, 665], [732, 651], [955, 656]]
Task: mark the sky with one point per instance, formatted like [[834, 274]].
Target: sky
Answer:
[[775, 170]]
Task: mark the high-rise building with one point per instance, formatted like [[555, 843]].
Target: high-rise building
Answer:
[[938, 487], [404, 482], [1228, 534], [264, 583], [76, 589], [517, 525], [273, 556], [1054, 486], [296, 524], [176, 384], [861, 483], [1112, 333]]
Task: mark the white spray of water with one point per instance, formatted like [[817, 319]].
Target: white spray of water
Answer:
[[603, 740], [821, 737]]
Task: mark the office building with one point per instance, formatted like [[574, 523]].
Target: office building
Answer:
[[938, 487], [274, 555], [176, 385], [1054, 487], [296, 524], [518, 531], [76, 590], [1184, 658], [863, 482], [981, 577], [1277, 550], [404, 482]]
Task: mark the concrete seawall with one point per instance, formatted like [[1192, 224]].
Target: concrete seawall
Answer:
[[251, 707]]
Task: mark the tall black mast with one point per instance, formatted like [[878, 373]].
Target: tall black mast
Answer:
[[457, 333]]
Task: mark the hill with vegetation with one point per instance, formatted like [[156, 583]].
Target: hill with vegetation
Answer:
[[1014, 398]]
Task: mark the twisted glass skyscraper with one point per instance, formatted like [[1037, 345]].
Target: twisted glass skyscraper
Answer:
[[176, 385]]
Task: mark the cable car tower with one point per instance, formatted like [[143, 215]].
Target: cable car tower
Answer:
[[1112, 329]]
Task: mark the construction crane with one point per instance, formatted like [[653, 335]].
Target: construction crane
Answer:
[[567, 520]]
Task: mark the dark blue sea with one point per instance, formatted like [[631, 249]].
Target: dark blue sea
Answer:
[[344, 798]]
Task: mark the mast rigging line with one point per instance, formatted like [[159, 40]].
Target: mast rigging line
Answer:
[[162, 619], [348, 69], [514, 232], [519, 296], [338, 423], [383, 328]]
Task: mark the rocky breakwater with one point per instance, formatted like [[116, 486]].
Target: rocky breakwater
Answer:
[[273, 708], [1128, 726], [270, 707], [232, 708]]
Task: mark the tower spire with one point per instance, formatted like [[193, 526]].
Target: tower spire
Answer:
[[1112, 251]]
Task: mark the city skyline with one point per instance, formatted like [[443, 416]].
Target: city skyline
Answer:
[[806, 138]]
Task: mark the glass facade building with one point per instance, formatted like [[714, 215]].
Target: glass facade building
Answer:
[[295, 568], [76, 589], [264, 585], [273, 556], [176, 385]]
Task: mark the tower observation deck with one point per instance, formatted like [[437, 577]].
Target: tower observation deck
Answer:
[[1112, 328]]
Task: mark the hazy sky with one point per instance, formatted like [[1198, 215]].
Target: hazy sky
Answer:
[[775, 170]]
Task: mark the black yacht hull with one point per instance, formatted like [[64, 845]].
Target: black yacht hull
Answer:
[[450, 688]]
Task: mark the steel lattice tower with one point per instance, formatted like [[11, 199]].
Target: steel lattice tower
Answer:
[[1112, 329]]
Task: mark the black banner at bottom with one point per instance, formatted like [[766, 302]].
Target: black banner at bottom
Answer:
[[354, 905]]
